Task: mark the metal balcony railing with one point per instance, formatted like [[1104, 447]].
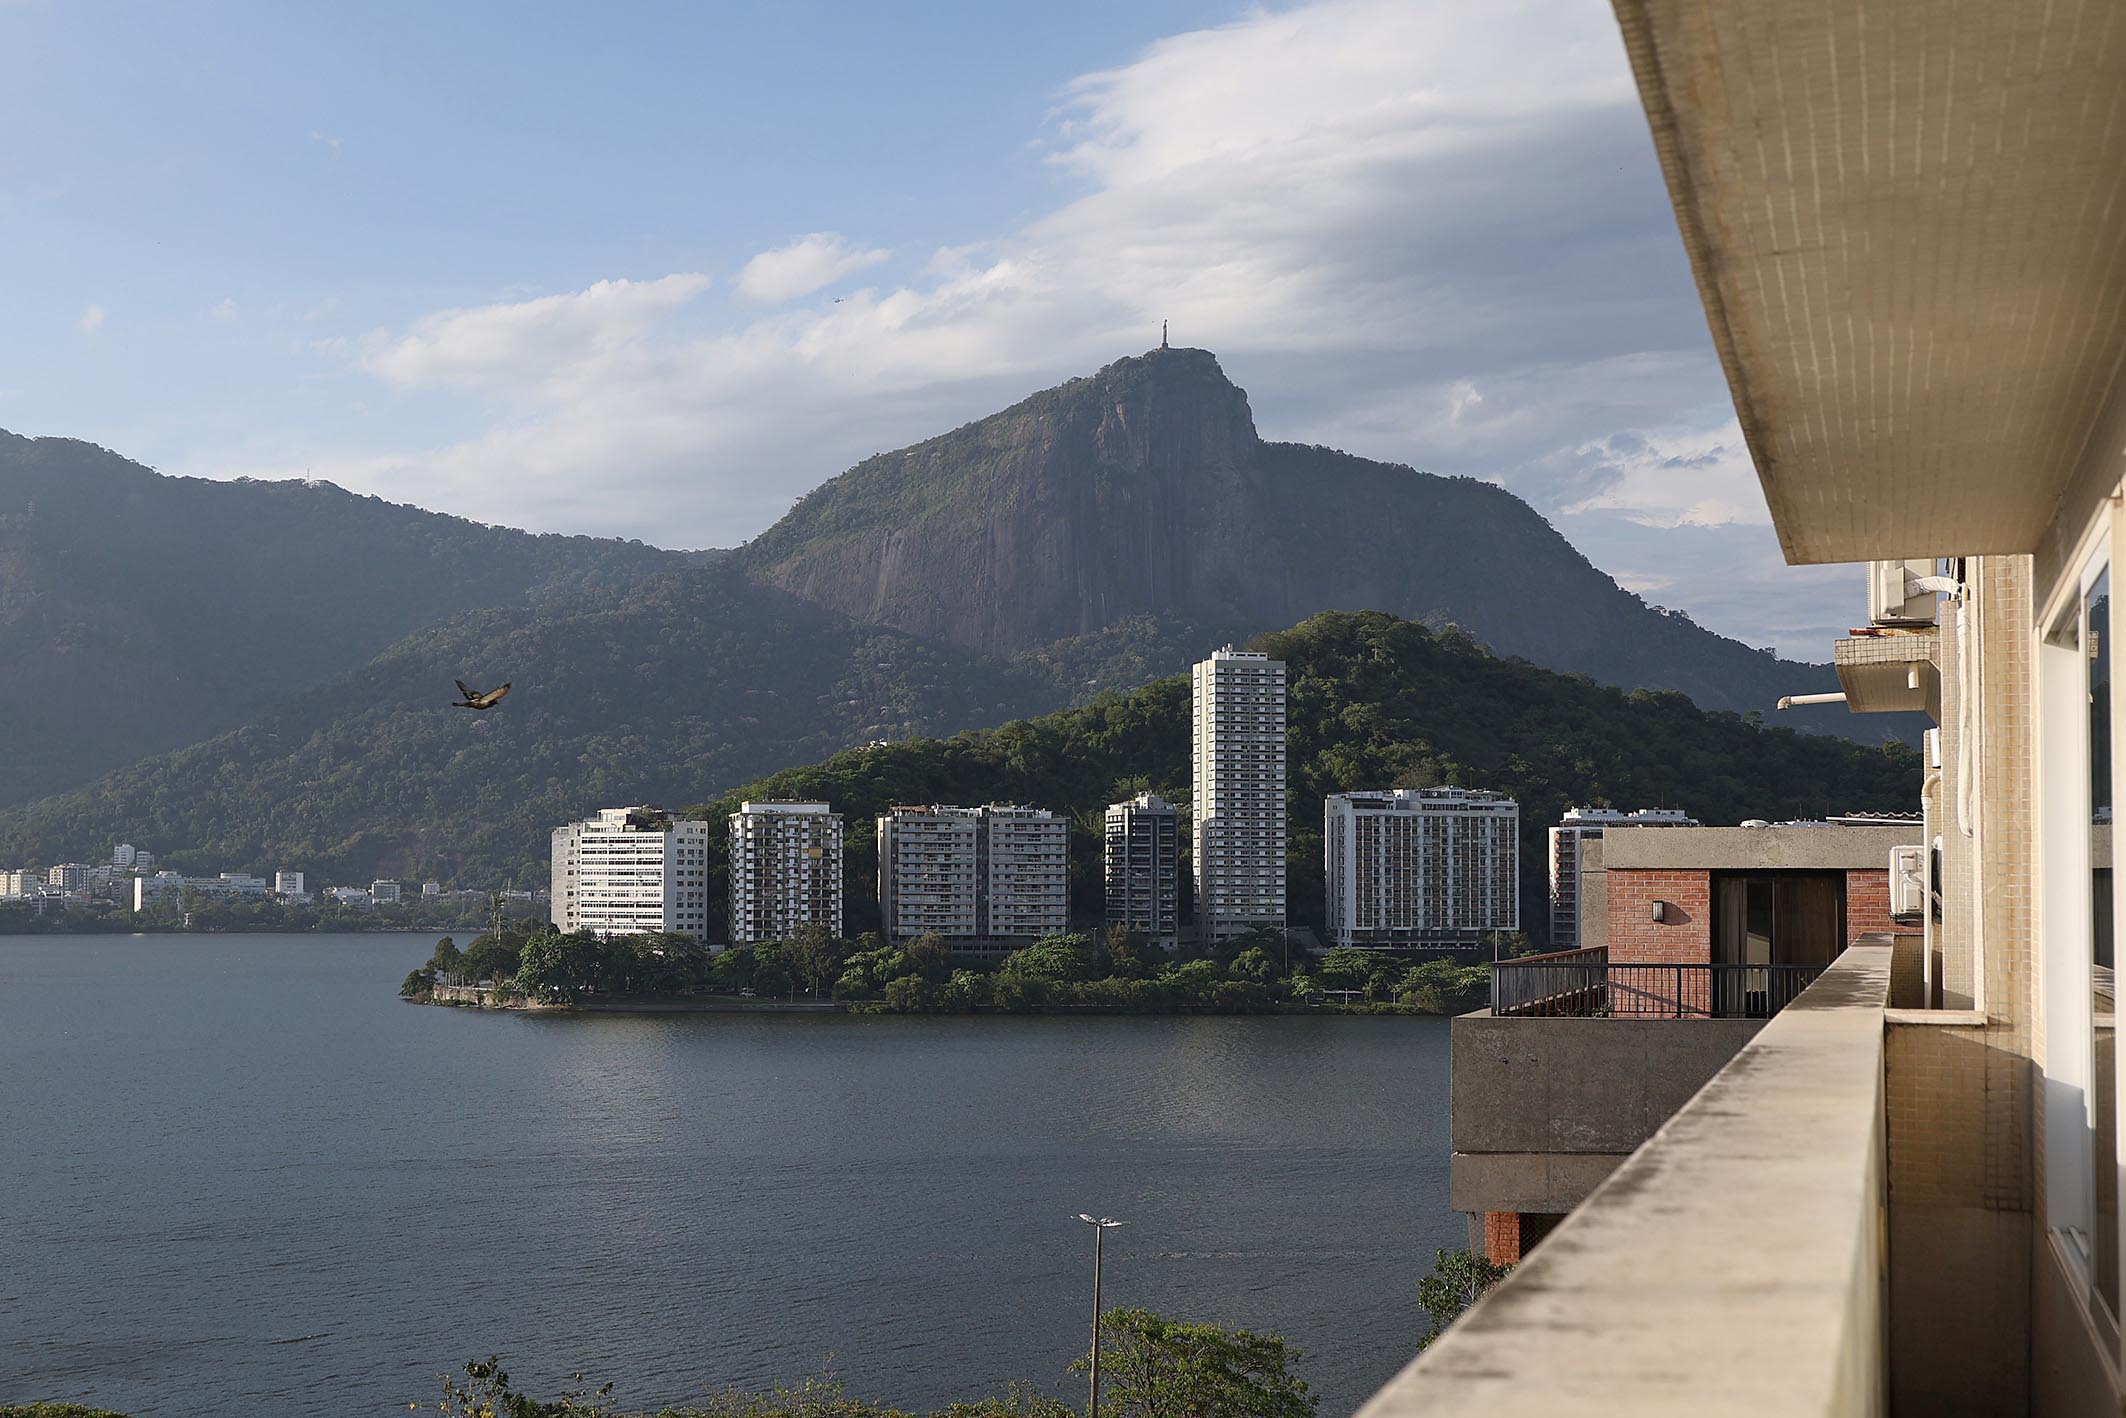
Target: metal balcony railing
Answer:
[[1585, 984]]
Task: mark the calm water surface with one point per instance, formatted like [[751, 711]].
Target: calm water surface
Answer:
[[237, 1174]]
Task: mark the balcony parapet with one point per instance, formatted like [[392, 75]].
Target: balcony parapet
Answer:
[[1732, 1265]]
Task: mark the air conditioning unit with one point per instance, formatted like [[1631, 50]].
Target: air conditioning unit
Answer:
[[1892, 601], [1908, 882]]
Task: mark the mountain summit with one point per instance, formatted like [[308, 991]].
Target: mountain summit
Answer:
[[1143, 493]]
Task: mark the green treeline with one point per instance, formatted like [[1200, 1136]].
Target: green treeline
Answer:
[[1374, 702], [1116, 973]]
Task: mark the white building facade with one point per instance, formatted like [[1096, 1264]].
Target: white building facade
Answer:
[[1579, 826], [288, 883], [1143, 868], [1237, 741], [1420, 867], [972, 874], [631, 870], [785, 870]]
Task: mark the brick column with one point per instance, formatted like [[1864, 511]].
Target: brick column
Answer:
[[1502, 1237]]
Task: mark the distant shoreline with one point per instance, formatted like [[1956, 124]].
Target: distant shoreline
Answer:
[[476, 997]]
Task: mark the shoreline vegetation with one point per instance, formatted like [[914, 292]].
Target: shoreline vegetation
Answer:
[[817, 972]]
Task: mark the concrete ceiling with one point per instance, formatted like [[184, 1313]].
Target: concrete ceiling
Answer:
[[1907, 219]]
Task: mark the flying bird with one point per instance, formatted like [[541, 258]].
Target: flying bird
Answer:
[[478, 700]]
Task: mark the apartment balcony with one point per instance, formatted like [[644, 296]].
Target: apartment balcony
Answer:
[[1735, 1215], [1585, 984]]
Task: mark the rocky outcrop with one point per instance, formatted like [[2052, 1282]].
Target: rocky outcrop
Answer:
[[1145, 491]]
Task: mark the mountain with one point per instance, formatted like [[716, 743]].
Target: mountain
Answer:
[[668, 690], [1374, 702], [1143, 497], [140, 612]]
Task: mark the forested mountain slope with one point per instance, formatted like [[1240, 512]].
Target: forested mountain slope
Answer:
[[140, 612], [666, 690]]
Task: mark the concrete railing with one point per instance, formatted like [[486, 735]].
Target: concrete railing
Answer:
[[1732, 1265]]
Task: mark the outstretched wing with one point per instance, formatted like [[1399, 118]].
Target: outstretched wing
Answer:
[[494, 696], [464, 692]]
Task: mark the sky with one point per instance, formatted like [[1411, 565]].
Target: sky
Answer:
[[655, 271]]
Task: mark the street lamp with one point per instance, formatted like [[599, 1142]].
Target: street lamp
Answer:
[[1100, 1225]]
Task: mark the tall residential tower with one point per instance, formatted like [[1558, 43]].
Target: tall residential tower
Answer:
[[1237, 758], [786, 870], [1143, 874]]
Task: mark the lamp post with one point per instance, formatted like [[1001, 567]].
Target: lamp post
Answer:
[[1100, 1225]]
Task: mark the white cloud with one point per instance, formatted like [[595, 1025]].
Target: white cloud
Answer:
[[1424, 231], [555, 348], [326, 140], [91, 319], [224, 310], [803, 266]]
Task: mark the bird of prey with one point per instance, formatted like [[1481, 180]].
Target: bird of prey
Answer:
[[478, 700]]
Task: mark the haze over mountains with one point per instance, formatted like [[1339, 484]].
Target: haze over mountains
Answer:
[[302, 639]]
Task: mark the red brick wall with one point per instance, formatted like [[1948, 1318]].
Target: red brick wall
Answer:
[[1502, 1237], [1687, 935], [1867, 903], [1684, 937]]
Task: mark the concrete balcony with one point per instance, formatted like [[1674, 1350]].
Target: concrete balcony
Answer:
[[1737, 1263]]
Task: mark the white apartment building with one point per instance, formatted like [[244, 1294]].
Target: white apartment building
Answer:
[[21, 883], [785, 870], [631, 870], [1579, 826], [1237, 741], [1143, 868], [287, 883], [384, 891], [995, 873], [68, 877], [163, 886], [1420, 866], [431, 889], [122, 855], [1026, 873]]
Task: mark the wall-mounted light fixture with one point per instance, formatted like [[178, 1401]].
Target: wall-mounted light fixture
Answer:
[[1660, 910]]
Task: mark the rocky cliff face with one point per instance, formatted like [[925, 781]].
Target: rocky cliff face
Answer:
[[1144, 491]]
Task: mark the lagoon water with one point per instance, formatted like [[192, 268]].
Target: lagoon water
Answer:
[[238, 1175]]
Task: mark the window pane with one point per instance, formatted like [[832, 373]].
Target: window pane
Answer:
[[2103, 1102]]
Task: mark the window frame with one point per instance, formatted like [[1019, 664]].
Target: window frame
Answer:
[[2065, 917]]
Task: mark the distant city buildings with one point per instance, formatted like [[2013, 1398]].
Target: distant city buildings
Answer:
[[1143, 868], [384, 893], [629, 870], [1237, 743], [169, 885], [785, 870], [1579, 826], [431, 889], [122, 855], [1421, 867], [973, 875], [20, 883], [68, 877]]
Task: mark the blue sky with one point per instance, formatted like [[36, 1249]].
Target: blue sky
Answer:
[[656, 270]]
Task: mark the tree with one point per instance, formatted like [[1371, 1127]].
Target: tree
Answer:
[[927, 956], [773, 979], [1056, 959], [1153, 1367], [815, 954], [1346, 969], [1457, 1281]]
